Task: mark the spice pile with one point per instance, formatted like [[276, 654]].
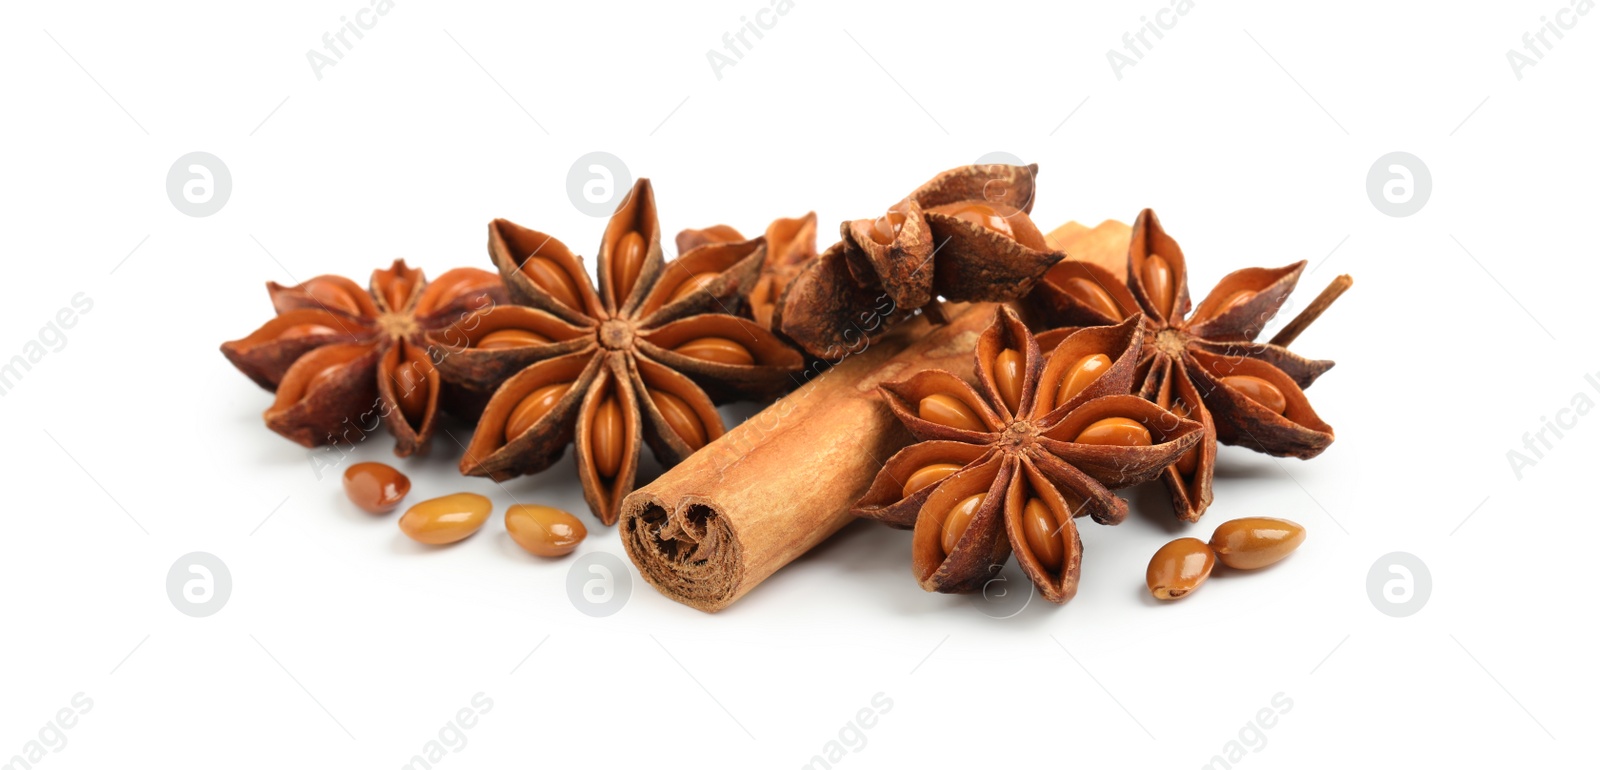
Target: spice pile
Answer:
[[1090, 375]]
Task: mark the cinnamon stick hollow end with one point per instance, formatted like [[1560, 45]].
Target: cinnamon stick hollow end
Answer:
[[688, 551], [715, 526]]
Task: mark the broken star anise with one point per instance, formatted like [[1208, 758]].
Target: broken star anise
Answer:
[[341, 358], [791, 244], [1205, 366], [1006, 467], [646, 357], [965, 235]]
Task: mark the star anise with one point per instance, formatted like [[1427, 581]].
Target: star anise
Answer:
[[341, 358], [647, 356], [965, 235], [791, 244], [1007, 466], [1207, 365]]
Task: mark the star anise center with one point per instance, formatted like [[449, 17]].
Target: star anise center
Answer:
[[398, 325], [616, 334], [1171, 342], [1018, 435]]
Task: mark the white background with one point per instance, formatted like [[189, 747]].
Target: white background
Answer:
[[1250, 127]]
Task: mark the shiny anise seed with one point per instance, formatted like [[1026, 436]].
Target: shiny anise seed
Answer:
[[1258, 390], [958, 520], [1005, 220], [1158, 281], [1043, 533], [375, 487], [544, 531], [691, 285], [1255, 542], [509, 338], [1178, 568], [1080, 375], [446, 519], [1008, 376], [681, 418], [927, 476], [548, 275], [1115, 431], [949, 411], [626, 262], [532, 407], [409, 381], [606, 435], [717, 350], [1090, 293]]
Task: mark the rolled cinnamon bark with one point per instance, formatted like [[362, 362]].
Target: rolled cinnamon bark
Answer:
[[716, 525], [719, 523]]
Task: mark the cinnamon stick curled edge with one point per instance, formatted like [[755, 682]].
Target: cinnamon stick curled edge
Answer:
[[715, 526]]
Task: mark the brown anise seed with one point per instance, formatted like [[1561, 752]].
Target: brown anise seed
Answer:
[[681, 418], [375, 487], [532, 407], [1008, 378], [887, 227], [544, 531], [446, 519], [1234, 300], [628, 259], [691, 285], [718, 350], [322, 378], [1157, 277], [1005, 220], [509, 338], [1255, 542], [1042, 530], [1258, 390], [410, 380], [1178, 568], [548, 275], [304, 330], [927, 476], [1080, 375], [331, 296], [1115, 431], [606, 435], [949, 411], [957, 520], [1090, 293]]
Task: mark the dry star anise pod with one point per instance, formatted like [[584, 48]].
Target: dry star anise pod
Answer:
[[647, 356], [1205, 366], [791, 244], [1006, 467], [340, 358], [965, 235]]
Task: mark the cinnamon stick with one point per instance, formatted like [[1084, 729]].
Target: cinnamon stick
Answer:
[[715, 526]]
